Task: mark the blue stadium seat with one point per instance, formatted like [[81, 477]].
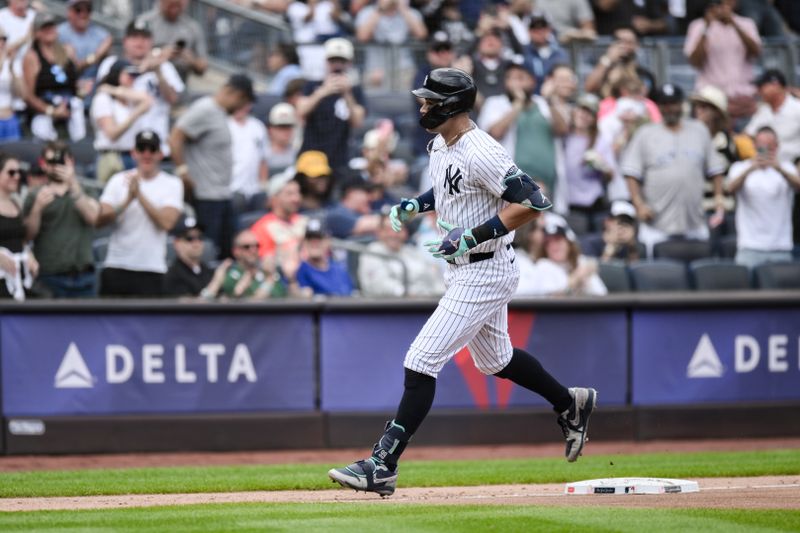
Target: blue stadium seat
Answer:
[[784, 275], [659, 275], [719, 275], [615, 276]]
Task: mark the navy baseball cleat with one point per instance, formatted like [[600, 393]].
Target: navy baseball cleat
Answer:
[[574, 421], [368, 475]]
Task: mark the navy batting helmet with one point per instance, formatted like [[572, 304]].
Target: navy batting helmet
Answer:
[[453, 89]]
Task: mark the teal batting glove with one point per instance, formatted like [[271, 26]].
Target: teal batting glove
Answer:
[[403, 212], [456, 243]]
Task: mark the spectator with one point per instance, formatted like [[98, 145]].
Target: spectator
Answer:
[[280, 232], [90, 41], [313, 22], [620, 60], [180, 37], [35, 177], [16, 20], [281, 150], [11, 87], [439, 54], [543, 53], [489, 65], [333, 107], [666, 166], [377, 149], [561, 269], [573, 19], [764, 187], [201, 149], [154, 75], [778, 110], [624, 85], [143, 204], [560, 90], [588, 164], [523, 123], [246, 276], [284, 65], [519, 20], [188, 275], [18, 265], [115, 109], [618, 241], [528, 243], [722, 46], [315, 177], [710, 106], [249, 152], [353, 216], [388, 22], [50, 79], [319, 271], [60, 219], [647, 17], [619, 128], [397, 268]]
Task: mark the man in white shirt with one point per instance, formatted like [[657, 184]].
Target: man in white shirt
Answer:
[[764, 189], [250, 172], [157, 77], [143, 204], [780, 111]]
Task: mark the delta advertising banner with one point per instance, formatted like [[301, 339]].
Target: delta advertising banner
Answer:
[[362, 360], [135, 364], [701, 356]]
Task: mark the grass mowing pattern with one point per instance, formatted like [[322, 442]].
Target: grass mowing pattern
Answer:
[[400, 518], [413, 473]]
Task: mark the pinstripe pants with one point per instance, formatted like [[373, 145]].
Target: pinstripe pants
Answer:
[[473, 312]]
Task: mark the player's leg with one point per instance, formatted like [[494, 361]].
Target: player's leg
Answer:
[[493, 354], [457, 319]]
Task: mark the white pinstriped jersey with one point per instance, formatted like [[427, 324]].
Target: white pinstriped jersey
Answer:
[[467, 180]]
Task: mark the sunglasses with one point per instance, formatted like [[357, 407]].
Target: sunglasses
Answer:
[[192, 238], [3, 38], [147, 148], [14, 172], [248, 246]]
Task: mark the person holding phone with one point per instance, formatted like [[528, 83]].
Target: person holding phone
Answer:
[[59, 219], [179, 36]]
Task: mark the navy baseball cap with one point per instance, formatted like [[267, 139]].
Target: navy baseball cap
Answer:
[[315, 229], [771, 75], [668, 94]]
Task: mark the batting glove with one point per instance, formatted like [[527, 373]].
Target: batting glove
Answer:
[[403, 212], [456, 243]]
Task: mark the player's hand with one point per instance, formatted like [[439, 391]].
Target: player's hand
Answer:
[[456, 243], [403, 212]]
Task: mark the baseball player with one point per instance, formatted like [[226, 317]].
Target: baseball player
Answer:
[[480, 197]]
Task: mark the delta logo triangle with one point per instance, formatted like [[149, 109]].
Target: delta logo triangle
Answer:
[[73, 372], [705, 362]]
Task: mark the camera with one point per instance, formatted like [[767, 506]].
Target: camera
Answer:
[[180, 43], [56, 157]]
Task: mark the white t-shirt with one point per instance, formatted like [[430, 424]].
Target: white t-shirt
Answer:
[[103, 105], [6, 85], [496, 107], [16, 28], [763, 208], [248, 148], [157, 118], [553, 278], [785, 122], [136, 243]]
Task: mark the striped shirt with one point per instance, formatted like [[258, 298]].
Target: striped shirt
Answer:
[[467, 180]]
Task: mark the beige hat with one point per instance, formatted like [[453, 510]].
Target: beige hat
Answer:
[[712, 96], [282, 114], [339, 47]]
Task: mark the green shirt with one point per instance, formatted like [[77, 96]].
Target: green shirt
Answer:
[[275, 286], [535, 152], [64, 241]]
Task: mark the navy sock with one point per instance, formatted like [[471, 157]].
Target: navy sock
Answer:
[[526, 371], [416, 402]]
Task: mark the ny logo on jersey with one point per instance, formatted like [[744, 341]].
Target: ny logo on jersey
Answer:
[[452, 180]]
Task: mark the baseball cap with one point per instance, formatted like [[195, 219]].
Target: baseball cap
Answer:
[[440, 41], [185, 224], [243, 84], [668, 94], [313, 164], [147, 139], [277, 182], [73, 3], [315, 229], [43, 19], [771, 75], [138, 26], [517, 61], [339, 47], [539, 20], [589, 102], [712, 96], [623, 209], [282, 114], [557, 225]]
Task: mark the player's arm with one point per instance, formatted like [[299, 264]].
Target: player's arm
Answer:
[[409, 207]]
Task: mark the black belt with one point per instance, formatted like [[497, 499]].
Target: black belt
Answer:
[[478, 256]]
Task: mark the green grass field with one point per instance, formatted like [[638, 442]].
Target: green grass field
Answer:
[[397, 517]]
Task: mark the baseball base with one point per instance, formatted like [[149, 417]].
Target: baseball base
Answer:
[[631, 485]]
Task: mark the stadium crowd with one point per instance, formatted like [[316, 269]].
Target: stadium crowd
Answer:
[[202, 197]]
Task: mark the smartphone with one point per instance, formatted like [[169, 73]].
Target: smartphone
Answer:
[[180, 43], [57, 157]]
